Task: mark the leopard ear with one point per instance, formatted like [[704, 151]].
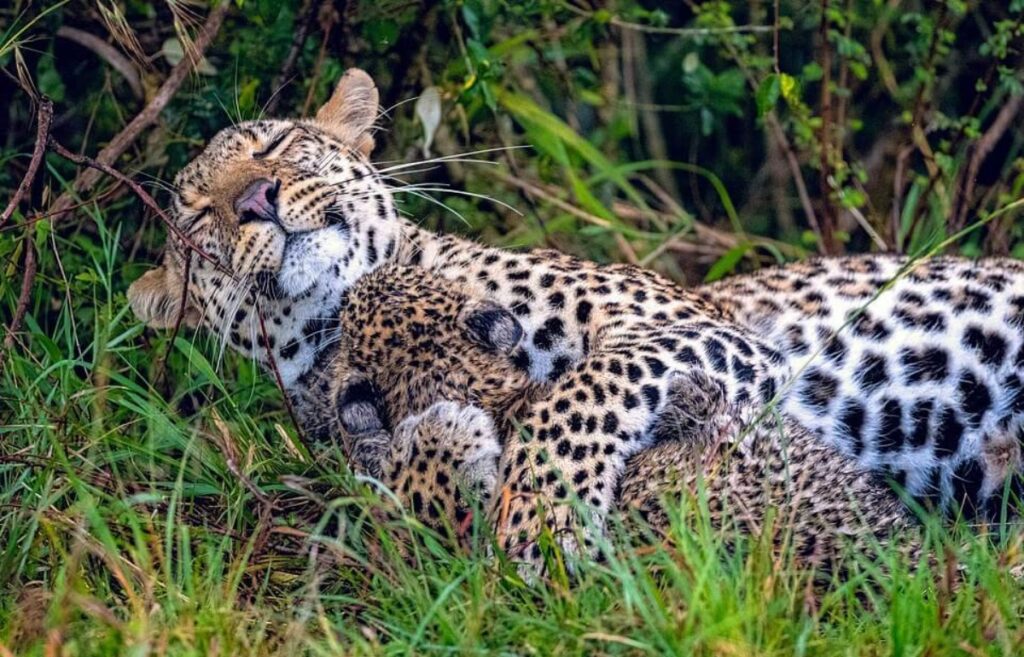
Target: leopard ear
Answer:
[[156, 299], [494, 327], [352, 110]]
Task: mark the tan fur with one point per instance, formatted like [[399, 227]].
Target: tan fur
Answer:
[[767, 475], [915, 395]]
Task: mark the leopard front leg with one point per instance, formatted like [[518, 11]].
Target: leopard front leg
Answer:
[[568, 455]]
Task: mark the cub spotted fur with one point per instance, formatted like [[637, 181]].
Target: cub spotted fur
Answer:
[[435, 362]]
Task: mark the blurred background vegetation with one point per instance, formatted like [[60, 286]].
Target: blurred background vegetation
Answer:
[[684, 135], [699, 138]]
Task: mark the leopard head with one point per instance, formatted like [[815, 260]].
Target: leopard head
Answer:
[[273, 222], [413, 339]]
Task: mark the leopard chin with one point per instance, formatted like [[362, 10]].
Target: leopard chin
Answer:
[[309, 258]]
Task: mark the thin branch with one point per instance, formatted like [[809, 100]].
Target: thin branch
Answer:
[[798, 178], [328, 17], [107, 53], [272, 362], [180, 317], [44, 116], [144, 196], [678, 31], [24, 296], [896, 211], [981, 150], [149, 114], [825, 138], [305, 16]]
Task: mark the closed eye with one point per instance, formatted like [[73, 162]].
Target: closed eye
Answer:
[[272, 146]]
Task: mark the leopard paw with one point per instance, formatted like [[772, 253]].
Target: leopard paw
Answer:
[[466, 432]]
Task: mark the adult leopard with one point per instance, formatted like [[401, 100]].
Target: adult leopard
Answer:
[[290, 214]]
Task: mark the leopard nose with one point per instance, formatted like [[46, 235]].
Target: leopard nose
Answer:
[[258, 202]]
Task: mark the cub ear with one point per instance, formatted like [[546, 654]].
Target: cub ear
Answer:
[[494, 327], [352, 110], [156, 299]]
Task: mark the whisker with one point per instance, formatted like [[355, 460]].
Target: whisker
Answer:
[[455, 157], [430, 187], [428, 197]]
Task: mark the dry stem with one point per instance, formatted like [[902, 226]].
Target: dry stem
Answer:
[[44, 116], [149, 114]]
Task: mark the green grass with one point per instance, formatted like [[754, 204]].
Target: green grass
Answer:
[[125, 529]]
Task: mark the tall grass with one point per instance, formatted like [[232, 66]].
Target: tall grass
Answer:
[[136, 518]]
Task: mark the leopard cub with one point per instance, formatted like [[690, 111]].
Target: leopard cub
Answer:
[[426, 393]]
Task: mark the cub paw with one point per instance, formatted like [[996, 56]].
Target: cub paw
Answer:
[[361, 416], [467, 433]]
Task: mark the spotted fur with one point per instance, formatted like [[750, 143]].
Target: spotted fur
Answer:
[[915, 370], [292, 214], [423, 343]]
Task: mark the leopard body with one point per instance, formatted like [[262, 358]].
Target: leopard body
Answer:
[[289, 215]]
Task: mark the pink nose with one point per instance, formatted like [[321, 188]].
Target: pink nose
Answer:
[[258, 202]]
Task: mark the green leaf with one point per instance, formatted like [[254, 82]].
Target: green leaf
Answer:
[[790, 88], [727, 263], [172, 51], [812, 72], [49, 80], [382, 33], [691, 62], [767, 95]]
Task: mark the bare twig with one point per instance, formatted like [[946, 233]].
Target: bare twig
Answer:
[[798, 177], [143, 196], [44, 116], [779, 135], [107, 53], [980, 151], [272, 362], [826, 160], [42, 216], [24, 296], [231, 458], [328, 16], [677, 31], [654, 138], [305, 18], [149, 114], [181, 314]]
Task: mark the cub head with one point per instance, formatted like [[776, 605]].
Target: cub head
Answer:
[[412, 339], [287, 214]]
